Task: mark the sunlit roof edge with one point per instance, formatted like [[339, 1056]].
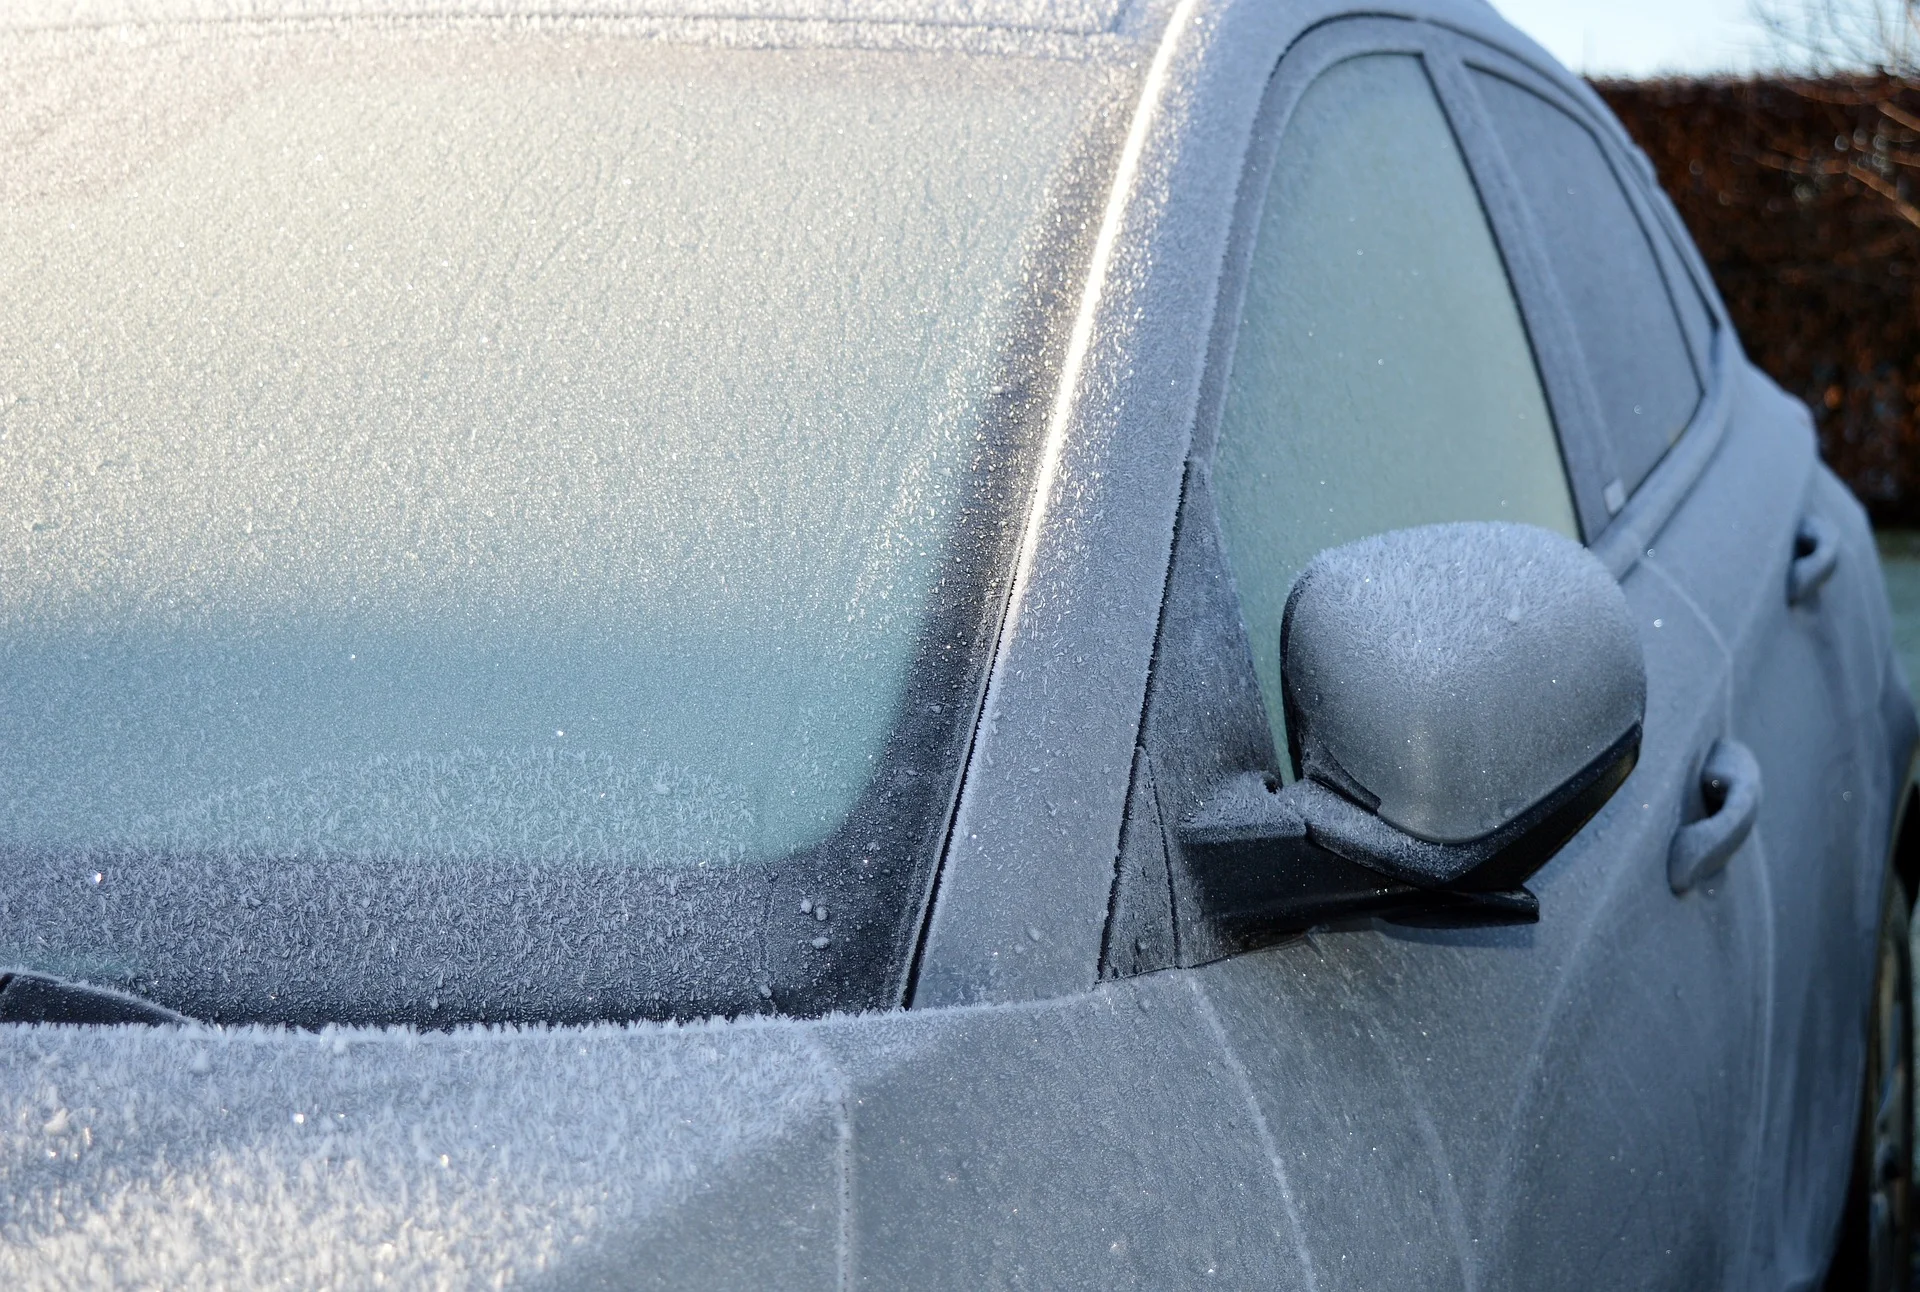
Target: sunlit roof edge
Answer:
[[1072, 17]]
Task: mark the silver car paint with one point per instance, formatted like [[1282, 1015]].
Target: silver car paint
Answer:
[[1641, 1091]]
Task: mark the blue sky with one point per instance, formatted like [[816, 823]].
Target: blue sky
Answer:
[[1643, 37]]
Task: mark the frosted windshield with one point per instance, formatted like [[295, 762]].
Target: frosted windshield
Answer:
[[489, 444]]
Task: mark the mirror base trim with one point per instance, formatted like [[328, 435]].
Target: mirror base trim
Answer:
[[1272, 861]]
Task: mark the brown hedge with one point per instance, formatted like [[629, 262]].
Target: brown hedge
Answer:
[[1798, 195]]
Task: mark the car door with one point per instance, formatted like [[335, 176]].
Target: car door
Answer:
[[1776, 556], [1391, 350]]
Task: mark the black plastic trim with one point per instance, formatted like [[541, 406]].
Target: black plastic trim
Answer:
[[1269, 860]]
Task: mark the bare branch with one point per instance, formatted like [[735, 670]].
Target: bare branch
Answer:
[[1822, 37], [1893, 112], [1904, 209]]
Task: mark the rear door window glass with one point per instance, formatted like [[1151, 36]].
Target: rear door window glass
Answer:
[[1381, 377], [1694, 314], [1622, 309]]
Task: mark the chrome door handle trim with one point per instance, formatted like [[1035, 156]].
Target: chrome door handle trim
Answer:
[[1816, 551], [1730, 784]]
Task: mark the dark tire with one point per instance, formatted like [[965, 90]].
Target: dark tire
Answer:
[[1875, 1250]]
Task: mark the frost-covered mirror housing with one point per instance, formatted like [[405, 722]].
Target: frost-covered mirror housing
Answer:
[[1460, 700], [1453, 676]]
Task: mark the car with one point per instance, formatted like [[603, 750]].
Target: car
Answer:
[[915, 643]]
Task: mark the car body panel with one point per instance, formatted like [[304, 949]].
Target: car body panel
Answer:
[[1069, 1143], [1805, 695], [1107, 1139], [1610, 1096], [1611, 1056]]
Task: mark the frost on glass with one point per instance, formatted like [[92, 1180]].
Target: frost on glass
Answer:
[[1382, 378], [486, 443], [1607, 273]]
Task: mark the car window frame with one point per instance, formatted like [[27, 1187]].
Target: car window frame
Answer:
[[1574, 395], [1204, 718]]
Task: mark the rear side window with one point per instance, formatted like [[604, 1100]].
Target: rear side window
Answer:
[[1382, 377], [1686, 295], [1623, 311]]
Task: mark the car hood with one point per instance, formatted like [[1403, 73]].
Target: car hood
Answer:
[[250, 1157], [1031, 1145]]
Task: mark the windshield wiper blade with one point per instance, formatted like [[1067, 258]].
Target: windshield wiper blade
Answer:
[[28, 997]]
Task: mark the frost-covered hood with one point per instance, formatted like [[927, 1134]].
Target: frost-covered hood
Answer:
[[963, 1148], [166, 1157]]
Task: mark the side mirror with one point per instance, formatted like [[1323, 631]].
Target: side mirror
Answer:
[[1460, 700]]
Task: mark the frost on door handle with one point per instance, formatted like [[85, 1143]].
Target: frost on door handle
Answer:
[[1730, 788], [1816, 550]]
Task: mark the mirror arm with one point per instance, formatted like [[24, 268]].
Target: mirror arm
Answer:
[[1274, 860]]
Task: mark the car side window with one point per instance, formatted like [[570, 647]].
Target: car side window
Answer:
[[1695, 317], [1381, 376], [1622, 309]]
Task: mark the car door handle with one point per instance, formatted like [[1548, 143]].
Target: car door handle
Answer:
[[1730, 787], [1816, 550]]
